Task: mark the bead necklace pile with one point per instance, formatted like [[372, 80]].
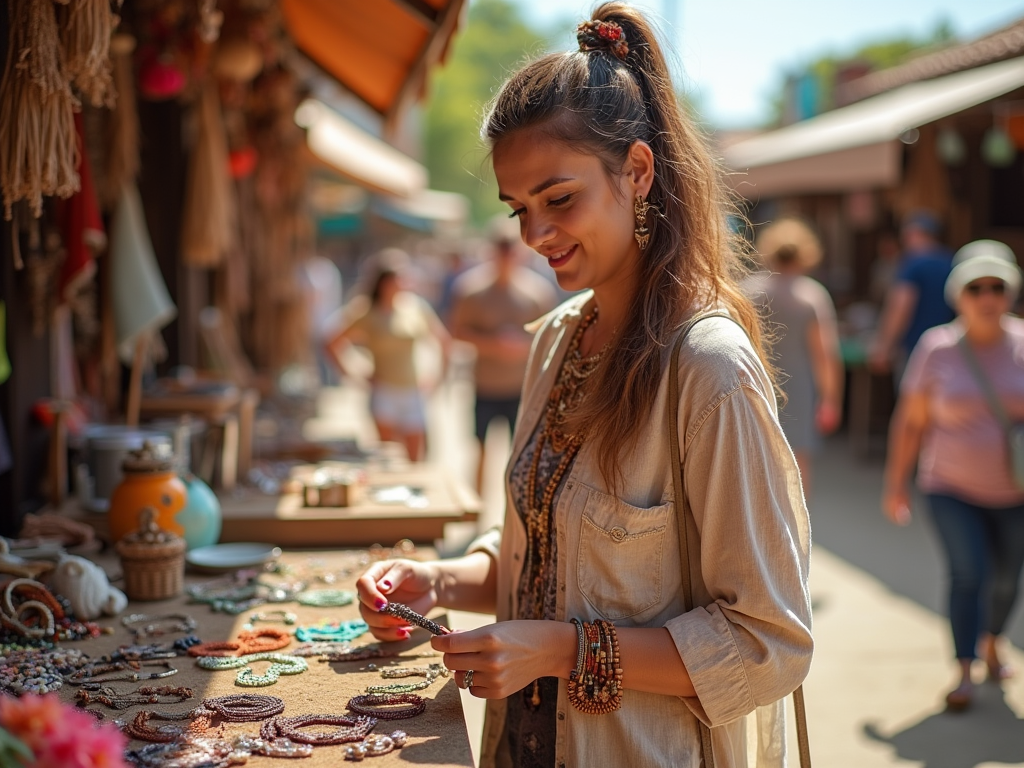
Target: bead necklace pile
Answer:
[[37, 670], [332, 632], [281, 664], [144, 695], [595, 685], [387, 706], [345, 729], [376, 745], [249, 642]]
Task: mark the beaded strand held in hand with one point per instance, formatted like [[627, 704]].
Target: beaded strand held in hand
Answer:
[[407, 613], [595, 686]]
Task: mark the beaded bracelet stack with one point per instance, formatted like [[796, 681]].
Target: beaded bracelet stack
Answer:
[[595, 685]]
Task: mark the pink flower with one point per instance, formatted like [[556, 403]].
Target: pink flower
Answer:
[[61, 736]]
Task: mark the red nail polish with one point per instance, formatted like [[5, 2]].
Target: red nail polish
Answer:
[[380, 603], [404, 633], [386, 584]]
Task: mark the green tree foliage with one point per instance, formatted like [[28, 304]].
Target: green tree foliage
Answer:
[[876, 55], [493, 42]]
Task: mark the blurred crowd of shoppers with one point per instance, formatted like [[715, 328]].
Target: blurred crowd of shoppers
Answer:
[[962, 391]]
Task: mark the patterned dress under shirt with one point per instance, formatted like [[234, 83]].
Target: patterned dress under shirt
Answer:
[[531, 729]]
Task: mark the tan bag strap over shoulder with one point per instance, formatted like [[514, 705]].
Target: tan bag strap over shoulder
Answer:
[[803, 743]]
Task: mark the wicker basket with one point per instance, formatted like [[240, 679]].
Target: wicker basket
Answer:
[[153, 560]]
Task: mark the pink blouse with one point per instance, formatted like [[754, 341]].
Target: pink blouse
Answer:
[[964, 451]]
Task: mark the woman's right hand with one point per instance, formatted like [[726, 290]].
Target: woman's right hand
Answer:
[[896, 505], [403, 581]]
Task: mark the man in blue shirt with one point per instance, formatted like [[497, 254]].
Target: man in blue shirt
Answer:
[[915, 302]]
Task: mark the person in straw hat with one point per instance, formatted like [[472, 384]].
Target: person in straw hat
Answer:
[[806, 343], [962, 391]]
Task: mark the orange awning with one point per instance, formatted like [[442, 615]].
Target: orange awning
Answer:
[[380, 50]]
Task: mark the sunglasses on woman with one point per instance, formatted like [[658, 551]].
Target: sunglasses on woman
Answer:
[[977, 289]]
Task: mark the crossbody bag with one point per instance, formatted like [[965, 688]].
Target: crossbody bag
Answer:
[[1014, 432], [803, 744]]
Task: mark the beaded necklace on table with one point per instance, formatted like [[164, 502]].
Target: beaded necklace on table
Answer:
[[554, 450]]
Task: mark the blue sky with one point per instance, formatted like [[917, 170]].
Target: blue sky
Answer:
[[733, 53]]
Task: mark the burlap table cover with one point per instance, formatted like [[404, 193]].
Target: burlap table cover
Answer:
[[438, 737]]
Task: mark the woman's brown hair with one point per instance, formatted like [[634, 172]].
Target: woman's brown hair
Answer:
[[596, 102]]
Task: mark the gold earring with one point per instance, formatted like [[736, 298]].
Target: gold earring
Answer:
[[641, 233]]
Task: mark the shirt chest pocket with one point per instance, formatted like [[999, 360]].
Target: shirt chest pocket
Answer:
[[622, 549]]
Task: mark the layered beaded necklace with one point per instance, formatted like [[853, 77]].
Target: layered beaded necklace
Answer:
[[566, 395]]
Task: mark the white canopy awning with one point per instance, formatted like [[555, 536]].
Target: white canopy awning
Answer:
[[357, 154], [853, 147]]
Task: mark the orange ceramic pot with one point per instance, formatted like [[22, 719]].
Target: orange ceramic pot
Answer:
[[150, 480]]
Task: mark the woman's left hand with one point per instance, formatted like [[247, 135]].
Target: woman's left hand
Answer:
[[508, 656]]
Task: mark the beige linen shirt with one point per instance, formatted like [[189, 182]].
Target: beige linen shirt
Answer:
[[748, 644]]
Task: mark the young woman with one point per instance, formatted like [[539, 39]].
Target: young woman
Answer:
[[389, 322], [616, 189], [806, 340], [945, 424]]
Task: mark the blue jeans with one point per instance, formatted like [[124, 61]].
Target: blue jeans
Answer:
[[985, 553]]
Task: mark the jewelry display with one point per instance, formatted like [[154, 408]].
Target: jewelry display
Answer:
[[142, 625], [244, 707], [595, 685], [332, 632], [387, 706], [191, 752], [281, 664], [346, 729], [37, 670], [287, 617], [242, 591], [281, 747], [408, 614], [376, 745], [325, 598], [144, 695]]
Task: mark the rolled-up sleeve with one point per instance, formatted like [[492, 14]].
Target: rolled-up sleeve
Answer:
[[751, 644]]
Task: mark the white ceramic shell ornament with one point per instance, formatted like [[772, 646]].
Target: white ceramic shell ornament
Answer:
[[87, 588]]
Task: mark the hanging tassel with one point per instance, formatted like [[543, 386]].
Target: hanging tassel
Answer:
[[86, 27], [38, 144], [122, 155]]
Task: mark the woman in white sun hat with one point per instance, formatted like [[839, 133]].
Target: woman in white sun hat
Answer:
[[962, 392]]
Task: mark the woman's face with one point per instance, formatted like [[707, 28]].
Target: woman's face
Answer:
[[570, 211], [984, 301]]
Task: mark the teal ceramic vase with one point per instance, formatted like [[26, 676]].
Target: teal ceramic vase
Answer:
[[201, 516]]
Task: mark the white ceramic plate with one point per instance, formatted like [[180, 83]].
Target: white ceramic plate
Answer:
[[229, 557]]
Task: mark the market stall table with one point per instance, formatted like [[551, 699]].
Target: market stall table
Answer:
[[394, 500], [437, 737]]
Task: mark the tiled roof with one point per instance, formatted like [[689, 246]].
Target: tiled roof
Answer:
[[1005, 43]]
